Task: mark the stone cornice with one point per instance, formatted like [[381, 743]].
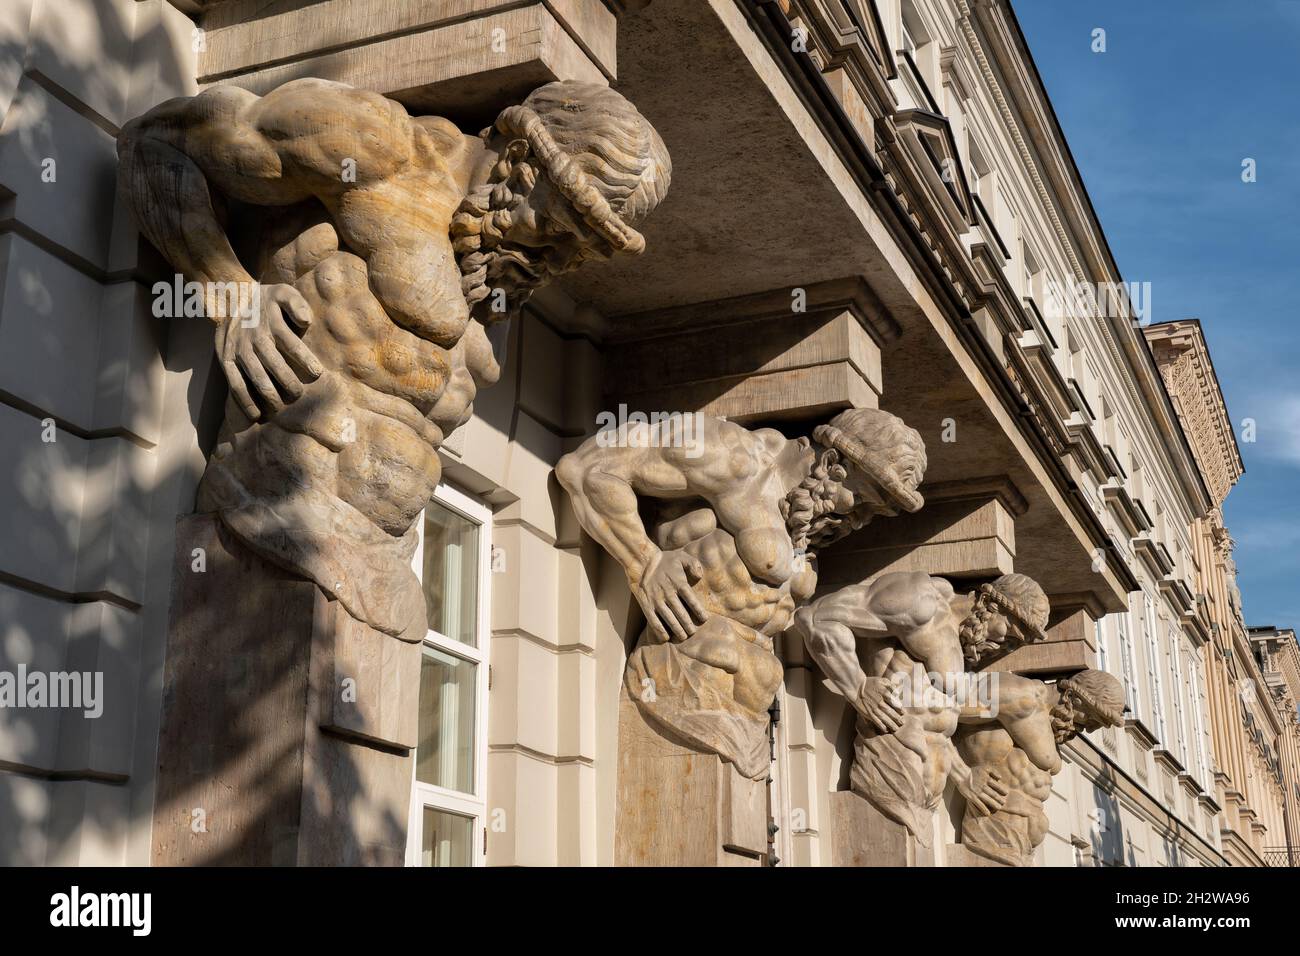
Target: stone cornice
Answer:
[[1112, 778], [1184, 360], [1009, 72]]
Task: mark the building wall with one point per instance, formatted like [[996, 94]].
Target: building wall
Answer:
[[1242, 722], [1278, 656], [1137, 794], [86, 566], [98, 404], [1249, 729], [559, 606]]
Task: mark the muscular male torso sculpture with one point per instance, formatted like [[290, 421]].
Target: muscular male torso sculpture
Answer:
[[1022, 745], [892, 647], [996, 736], [374, 242], [735, 520]]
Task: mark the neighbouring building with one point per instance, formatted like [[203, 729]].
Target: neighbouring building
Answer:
[[1278, 657], [872, 206], [1249, 734]]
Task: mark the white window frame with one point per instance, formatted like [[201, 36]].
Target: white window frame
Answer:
[[1128, 665], [1103, 651], [1198, 720], [1180, 688], [1151, 626], [424, 795]]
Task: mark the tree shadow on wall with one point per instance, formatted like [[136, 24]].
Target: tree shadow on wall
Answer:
[[88, 562]]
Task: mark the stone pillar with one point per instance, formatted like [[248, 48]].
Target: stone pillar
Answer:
[[288, 727], [678, 806], [1071, 643], [966, 530], [863, 836]]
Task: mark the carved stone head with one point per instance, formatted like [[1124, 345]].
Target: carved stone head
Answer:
[[885, 458], [1006, 613], [1089, 700], [577, 167]]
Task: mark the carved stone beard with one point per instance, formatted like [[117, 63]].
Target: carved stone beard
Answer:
[[974, 630], [1072, 716], [808, 508], [487, 262]]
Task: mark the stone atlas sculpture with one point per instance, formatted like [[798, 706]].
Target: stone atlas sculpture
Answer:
[[376, 250], [736, 518], [908, 653], [381, 247]]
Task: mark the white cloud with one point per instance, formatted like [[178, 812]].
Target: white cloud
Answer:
[[1276, 427]]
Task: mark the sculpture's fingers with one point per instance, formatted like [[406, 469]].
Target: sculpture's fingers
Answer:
[[675, 605], [999, 788], [657, 634], [239, 390], [692, 603], [261, 382], [295, 349], [274, 363], [667, 617], [227, 341], [885, 721], [296, 305]]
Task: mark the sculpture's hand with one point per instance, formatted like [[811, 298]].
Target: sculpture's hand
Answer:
[[665, 594], [984, 791], [253, 350], [878, 703]]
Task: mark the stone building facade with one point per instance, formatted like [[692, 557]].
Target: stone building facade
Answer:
[[872, 207], [1250, 726], [1278, 658]]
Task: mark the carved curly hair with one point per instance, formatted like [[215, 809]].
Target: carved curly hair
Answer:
[[600, 154], [1019, 599], [1089, 699]]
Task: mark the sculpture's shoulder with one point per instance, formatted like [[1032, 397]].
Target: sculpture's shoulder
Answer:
[[440, 146], [743, 452], [441, 133]]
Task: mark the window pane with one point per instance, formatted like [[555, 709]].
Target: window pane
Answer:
[[451, 573], [447, 839], [444, 756]]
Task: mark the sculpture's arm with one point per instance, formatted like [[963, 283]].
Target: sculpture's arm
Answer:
[[983, 788], [1035, 736], [605, 503], [271, 151], [831, 628], [1024, 712], [168, 194], [605, 478], [603, 483]]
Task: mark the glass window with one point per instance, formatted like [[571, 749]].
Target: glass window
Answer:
[[1179, 689], [1131, 697], [1103, 655], [447, 839], [448, 787], [445, 754], [450, 573], [1154, 666]]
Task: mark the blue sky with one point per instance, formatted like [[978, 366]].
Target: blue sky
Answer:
[[1159, 125]]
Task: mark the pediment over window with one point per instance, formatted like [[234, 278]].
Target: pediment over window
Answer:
[[927, 138]]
